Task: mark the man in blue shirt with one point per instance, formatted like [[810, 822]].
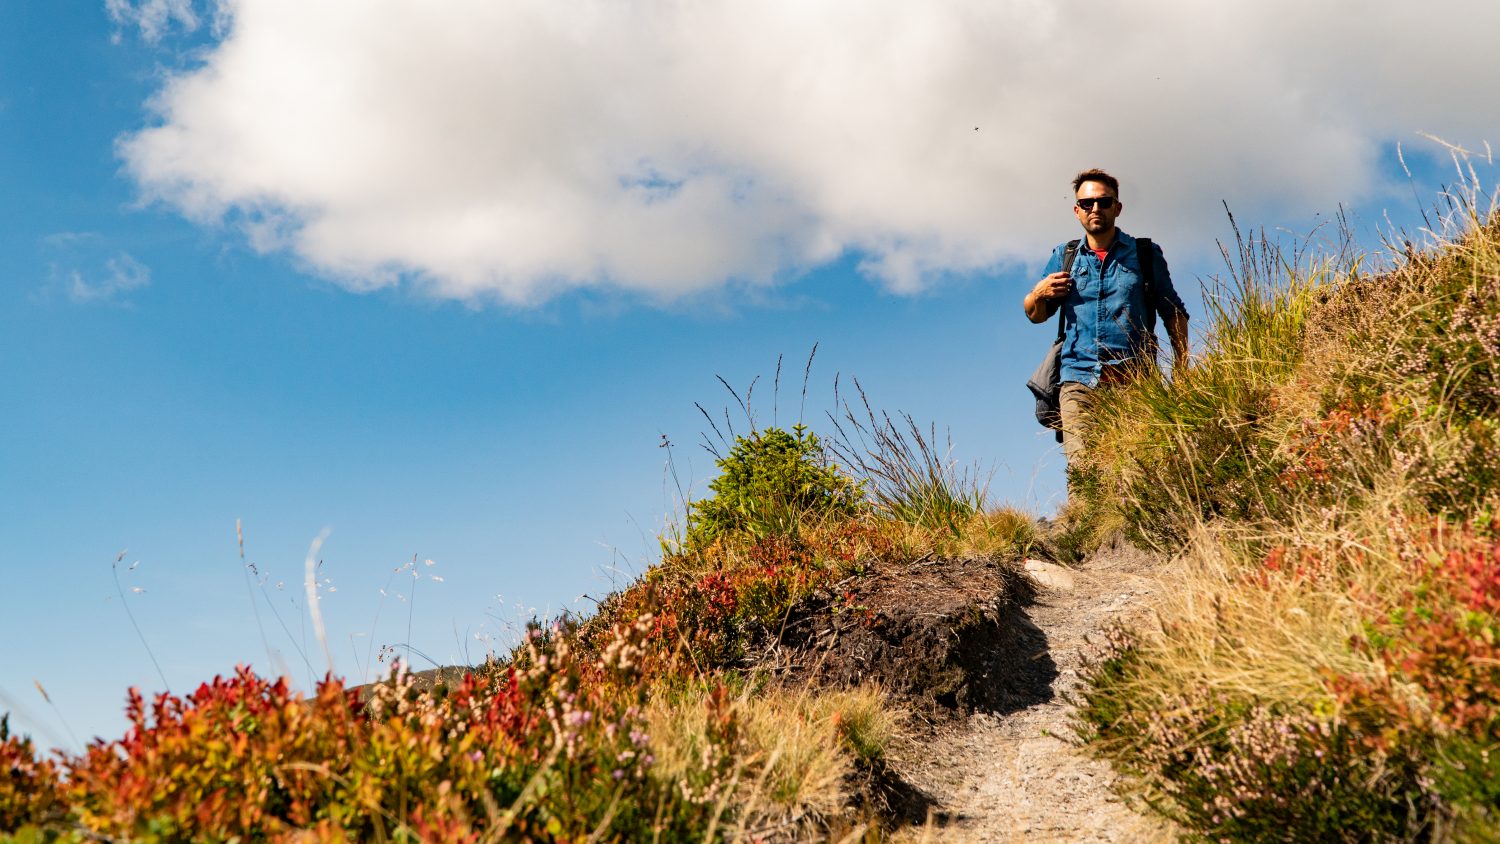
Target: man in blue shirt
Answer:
[[1107, 329]]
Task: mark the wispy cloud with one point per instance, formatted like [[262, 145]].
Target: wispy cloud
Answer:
[[119, 275], [517, 150], [86, 271], [151, 18]]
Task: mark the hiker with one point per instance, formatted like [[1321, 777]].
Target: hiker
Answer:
[[1109, 305]]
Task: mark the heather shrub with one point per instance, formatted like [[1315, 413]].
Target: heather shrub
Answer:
[[238, 756], [1440, 688], [1233, 767], [553, 747], [709, 603], [30, 792], [1442, 635], [1331, 653]]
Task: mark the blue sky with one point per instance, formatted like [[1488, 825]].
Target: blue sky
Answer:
[[242, 281]]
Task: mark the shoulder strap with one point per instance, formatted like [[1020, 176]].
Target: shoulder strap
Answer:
[[1145, 257], [1069, 253]]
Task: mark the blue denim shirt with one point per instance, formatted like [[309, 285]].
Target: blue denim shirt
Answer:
[[1104, 316]]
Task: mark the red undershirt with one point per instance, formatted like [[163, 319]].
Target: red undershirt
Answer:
[[1100, 253]]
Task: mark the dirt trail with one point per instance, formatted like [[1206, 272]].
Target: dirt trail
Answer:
[[1018, 775]]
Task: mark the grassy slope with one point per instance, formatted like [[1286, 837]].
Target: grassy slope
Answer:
[[644, 722], [1328, 475]]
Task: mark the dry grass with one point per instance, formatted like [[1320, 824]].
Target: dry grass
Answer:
[[1332, 414], [1003, 534], [1274, 639], [791, 768]]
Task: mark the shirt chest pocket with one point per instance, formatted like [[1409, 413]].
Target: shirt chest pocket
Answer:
[[1092, 280], [1124, 286], [1123, 298]]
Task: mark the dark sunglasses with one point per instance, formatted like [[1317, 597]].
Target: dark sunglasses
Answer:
[[1104, 202]]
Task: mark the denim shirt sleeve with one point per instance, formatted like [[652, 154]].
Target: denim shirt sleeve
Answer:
[[1054, 263]]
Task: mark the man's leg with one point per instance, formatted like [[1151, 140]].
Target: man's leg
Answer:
[[1075, 401]]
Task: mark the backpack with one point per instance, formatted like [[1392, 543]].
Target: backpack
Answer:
[[1046, 382]]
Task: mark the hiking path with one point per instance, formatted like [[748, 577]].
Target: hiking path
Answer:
[[1020, 775]]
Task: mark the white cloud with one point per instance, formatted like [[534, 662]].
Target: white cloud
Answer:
[[152, 18], [516, 150]]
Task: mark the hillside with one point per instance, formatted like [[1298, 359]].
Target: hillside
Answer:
[[1327, 479], [806, 621], [1280, 624]]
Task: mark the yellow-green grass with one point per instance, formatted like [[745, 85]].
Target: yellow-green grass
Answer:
[[1296, 473]]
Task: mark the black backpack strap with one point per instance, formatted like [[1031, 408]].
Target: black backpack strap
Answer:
[[1145, 256], [1070, 252]]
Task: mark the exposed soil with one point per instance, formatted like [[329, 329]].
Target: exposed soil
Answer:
[[943, 634]]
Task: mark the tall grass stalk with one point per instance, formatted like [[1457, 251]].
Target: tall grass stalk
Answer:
[[1162, 453], [120, 590], [247, 568], [58, 712], [254, 577], [11, 706], [908, 475], [310, 583]]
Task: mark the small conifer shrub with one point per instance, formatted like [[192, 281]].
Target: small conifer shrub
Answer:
[[769, 484]]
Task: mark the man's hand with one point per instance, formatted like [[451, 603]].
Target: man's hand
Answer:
[[1041, 301], [1054, 286]]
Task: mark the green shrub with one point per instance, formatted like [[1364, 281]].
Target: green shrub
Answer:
[[1467, 776], [769, 484]]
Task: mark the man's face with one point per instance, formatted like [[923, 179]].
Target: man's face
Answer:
[[1098, 219]]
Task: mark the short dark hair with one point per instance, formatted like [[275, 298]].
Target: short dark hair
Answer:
[[1096, 175]]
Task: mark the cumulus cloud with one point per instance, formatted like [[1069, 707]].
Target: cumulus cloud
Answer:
[[518, 150]]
